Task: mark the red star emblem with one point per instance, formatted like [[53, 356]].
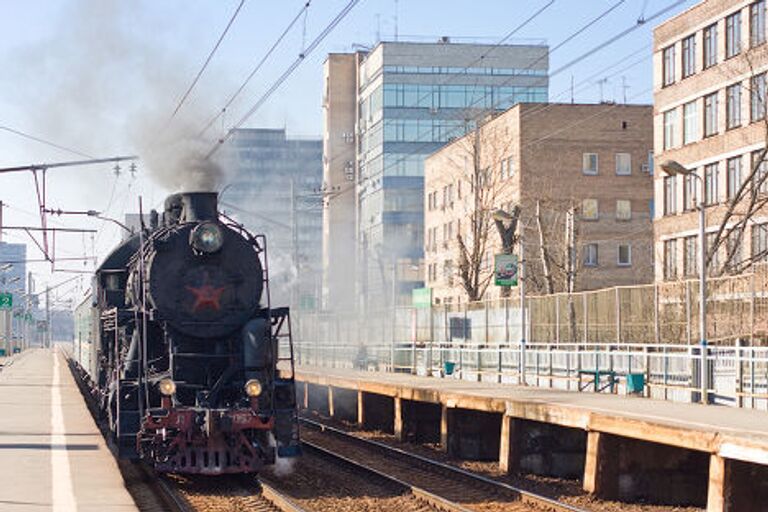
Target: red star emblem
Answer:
[[206, 297]]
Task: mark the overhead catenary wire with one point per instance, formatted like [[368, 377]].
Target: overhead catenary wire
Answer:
[[256, 69], [287, 73], [44, 141], [458, 133], [207, 61]]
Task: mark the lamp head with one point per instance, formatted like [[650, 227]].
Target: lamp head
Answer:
[[673, 168]]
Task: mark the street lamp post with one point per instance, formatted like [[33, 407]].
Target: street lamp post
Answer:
[[674, 168], [507, 225]]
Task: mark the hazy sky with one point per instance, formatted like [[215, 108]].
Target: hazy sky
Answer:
[[102, 77]]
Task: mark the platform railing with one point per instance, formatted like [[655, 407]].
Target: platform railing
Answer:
[[739, 374]]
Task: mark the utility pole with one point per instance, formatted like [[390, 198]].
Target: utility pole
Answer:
[[1, 220]]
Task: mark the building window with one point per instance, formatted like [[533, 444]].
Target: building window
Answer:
[[589, 163], [733, 249], [710, 46], [625, 255], [623, 209], [590, 255], [713, 264], [670, 259], [670, 125], [733, 106], [690, 122], [711, 178], [759, 172], [623, 164], [690, 192], [690, 256], [689, 55], [733, 34], [760, 243], [710, 114], [734, 176], [589, 209], [668, 71], [757, 97], [757, 23], [669, 195]]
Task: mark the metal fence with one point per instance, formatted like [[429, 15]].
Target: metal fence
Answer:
[[581, 341]]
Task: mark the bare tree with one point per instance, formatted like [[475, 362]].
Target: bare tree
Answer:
[[748, 200]]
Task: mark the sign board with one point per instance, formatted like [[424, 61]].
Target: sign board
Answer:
[[42, 326], [505, 269], [307, 303], [6, 301], [421, 297]]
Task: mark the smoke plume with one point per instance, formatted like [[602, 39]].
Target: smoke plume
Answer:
[[100, 85]]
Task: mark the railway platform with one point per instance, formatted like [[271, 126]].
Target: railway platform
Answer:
[[52, 456], [626, 448]]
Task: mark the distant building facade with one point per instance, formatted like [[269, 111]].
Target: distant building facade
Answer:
[[274, 189], [589, 163], [13, 259], [409, 99], [710, 65]]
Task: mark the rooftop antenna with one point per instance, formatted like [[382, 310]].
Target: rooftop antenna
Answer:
[[624, 88], [602, 82], [396, 20], [572, 89]]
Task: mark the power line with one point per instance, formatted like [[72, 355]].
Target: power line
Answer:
[[46, 142], [276, 85], [638, 24], [207, 61], [256, 68]]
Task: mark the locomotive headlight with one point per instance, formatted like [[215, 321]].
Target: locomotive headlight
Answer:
[[253, 388], [166, 387], [207, 237]]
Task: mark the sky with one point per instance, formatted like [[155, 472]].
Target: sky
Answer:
[[102, 77]]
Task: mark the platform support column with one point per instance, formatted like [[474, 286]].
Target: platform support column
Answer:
[[398, 421], [330, 402], [306, 395], [509, 445], [444, 427], [360, 409], [718, 478], [601, 465]]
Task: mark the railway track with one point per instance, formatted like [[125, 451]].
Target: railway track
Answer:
[[449, 487]]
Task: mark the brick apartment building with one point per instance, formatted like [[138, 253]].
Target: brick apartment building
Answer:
[[710, 67], [594, 159]]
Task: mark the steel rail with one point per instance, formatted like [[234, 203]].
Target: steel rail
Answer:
[[418, 460], [419, 493]]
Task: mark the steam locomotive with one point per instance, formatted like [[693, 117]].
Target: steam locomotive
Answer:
[[190, 366]]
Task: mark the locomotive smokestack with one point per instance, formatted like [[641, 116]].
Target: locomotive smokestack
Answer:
[[199, 206]]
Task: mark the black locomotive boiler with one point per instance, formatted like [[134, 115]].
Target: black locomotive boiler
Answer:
[[191, 365]]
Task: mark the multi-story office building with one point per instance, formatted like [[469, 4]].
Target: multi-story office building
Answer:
[[13, 270], [581, 176], [409, 100], [339, 213], [274, 189], [710, 65]]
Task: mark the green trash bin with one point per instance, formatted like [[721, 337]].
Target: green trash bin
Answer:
[[2, 352], [635, 383], [449, 367]]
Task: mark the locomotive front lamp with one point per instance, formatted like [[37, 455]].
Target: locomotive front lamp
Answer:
[[167, 387], [207, 237], [253, 388]]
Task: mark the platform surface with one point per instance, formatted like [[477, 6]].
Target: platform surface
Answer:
[[52, 456], [733, 433]]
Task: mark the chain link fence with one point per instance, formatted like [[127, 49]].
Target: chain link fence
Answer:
[[561, 339]]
